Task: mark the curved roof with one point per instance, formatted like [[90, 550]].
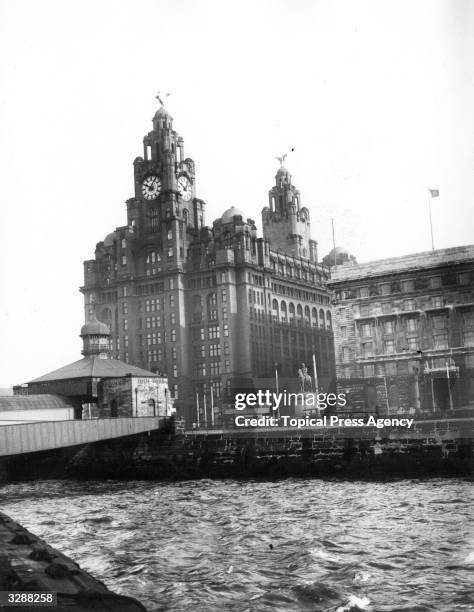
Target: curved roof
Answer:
[[95, 328], [109, 239], [162, 112], [338, 251], [229, 214]]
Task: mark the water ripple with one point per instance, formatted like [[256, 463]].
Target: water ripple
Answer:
[[254, 546]]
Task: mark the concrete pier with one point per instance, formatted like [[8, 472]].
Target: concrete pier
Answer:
[[28, 564]]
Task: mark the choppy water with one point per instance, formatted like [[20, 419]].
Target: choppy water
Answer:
[[261, 546]]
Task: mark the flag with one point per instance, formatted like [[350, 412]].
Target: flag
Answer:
[[434, 193]]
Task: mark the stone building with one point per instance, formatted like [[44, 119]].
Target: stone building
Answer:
[[404, 331], [209, 305]]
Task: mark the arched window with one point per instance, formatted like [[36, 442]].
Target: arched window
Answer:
[[299, 314], [314, 316], [291, 311], [284, 313], [321, 318], [328, 320], [275, 310], [307, 316]]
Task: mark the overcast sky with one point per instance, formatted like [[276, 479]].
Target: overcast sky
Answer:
[[372, 101]]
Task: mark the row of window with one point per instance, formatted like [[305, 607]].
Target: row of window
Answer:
[[212, 368], [283, 313], [433, 282], [300, 294]]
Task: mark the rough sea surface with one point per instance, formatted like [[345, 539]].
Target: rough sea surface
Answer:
[[263, 546]]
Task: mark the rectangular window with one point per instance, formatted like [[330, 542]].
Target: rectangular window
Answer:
[[124, 308], [226, 329], [409, 305], [366, 330], [214, 350], [388, 327], [367, 349], [440, 322], [124, 260], [224, 296], [170, 253], [468, 318], [437, 301], [171, 301], [412, 325], [391, 369], [468, 337], [215, 368], [368, 371], [345, 354], [226, 348], [441, 341], [389, 347], [213, 332], [435, 282], [173, 318], [224, 313], [125, 324], [173, 335], [343, 331], [227, 365], [413, 344], [125, 341]]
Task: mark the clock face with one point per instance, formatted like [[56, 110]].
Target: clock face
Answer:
[[151, 187], [184, 188]]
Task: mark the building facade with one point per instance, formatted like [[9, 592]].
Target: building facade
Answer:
[[208, 305], [404, 331]]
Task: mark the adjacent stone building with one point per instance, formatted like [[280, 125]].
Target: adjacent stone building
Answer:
[[207, 306], [404, 331]]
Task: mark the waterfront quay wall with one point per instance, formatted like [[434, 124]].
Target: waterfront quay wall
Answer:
[[434, 448], [30, 567]]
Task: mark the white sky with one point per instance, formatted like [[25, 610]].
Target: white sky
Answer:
[[376, 99]]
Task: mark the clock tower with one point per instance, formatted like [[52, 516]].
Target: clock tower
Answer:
[[165, 206]]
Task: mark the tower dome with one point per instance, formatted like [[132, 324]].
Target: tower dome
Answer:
[[162, 113], [338, 256], [95, 327], [230, 213], [162, 119], [283, 176], [110, 239], [96, 339]]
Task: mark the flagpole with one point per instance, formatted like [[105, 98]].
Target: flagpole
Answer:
[[333, 240], [431, 220]]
